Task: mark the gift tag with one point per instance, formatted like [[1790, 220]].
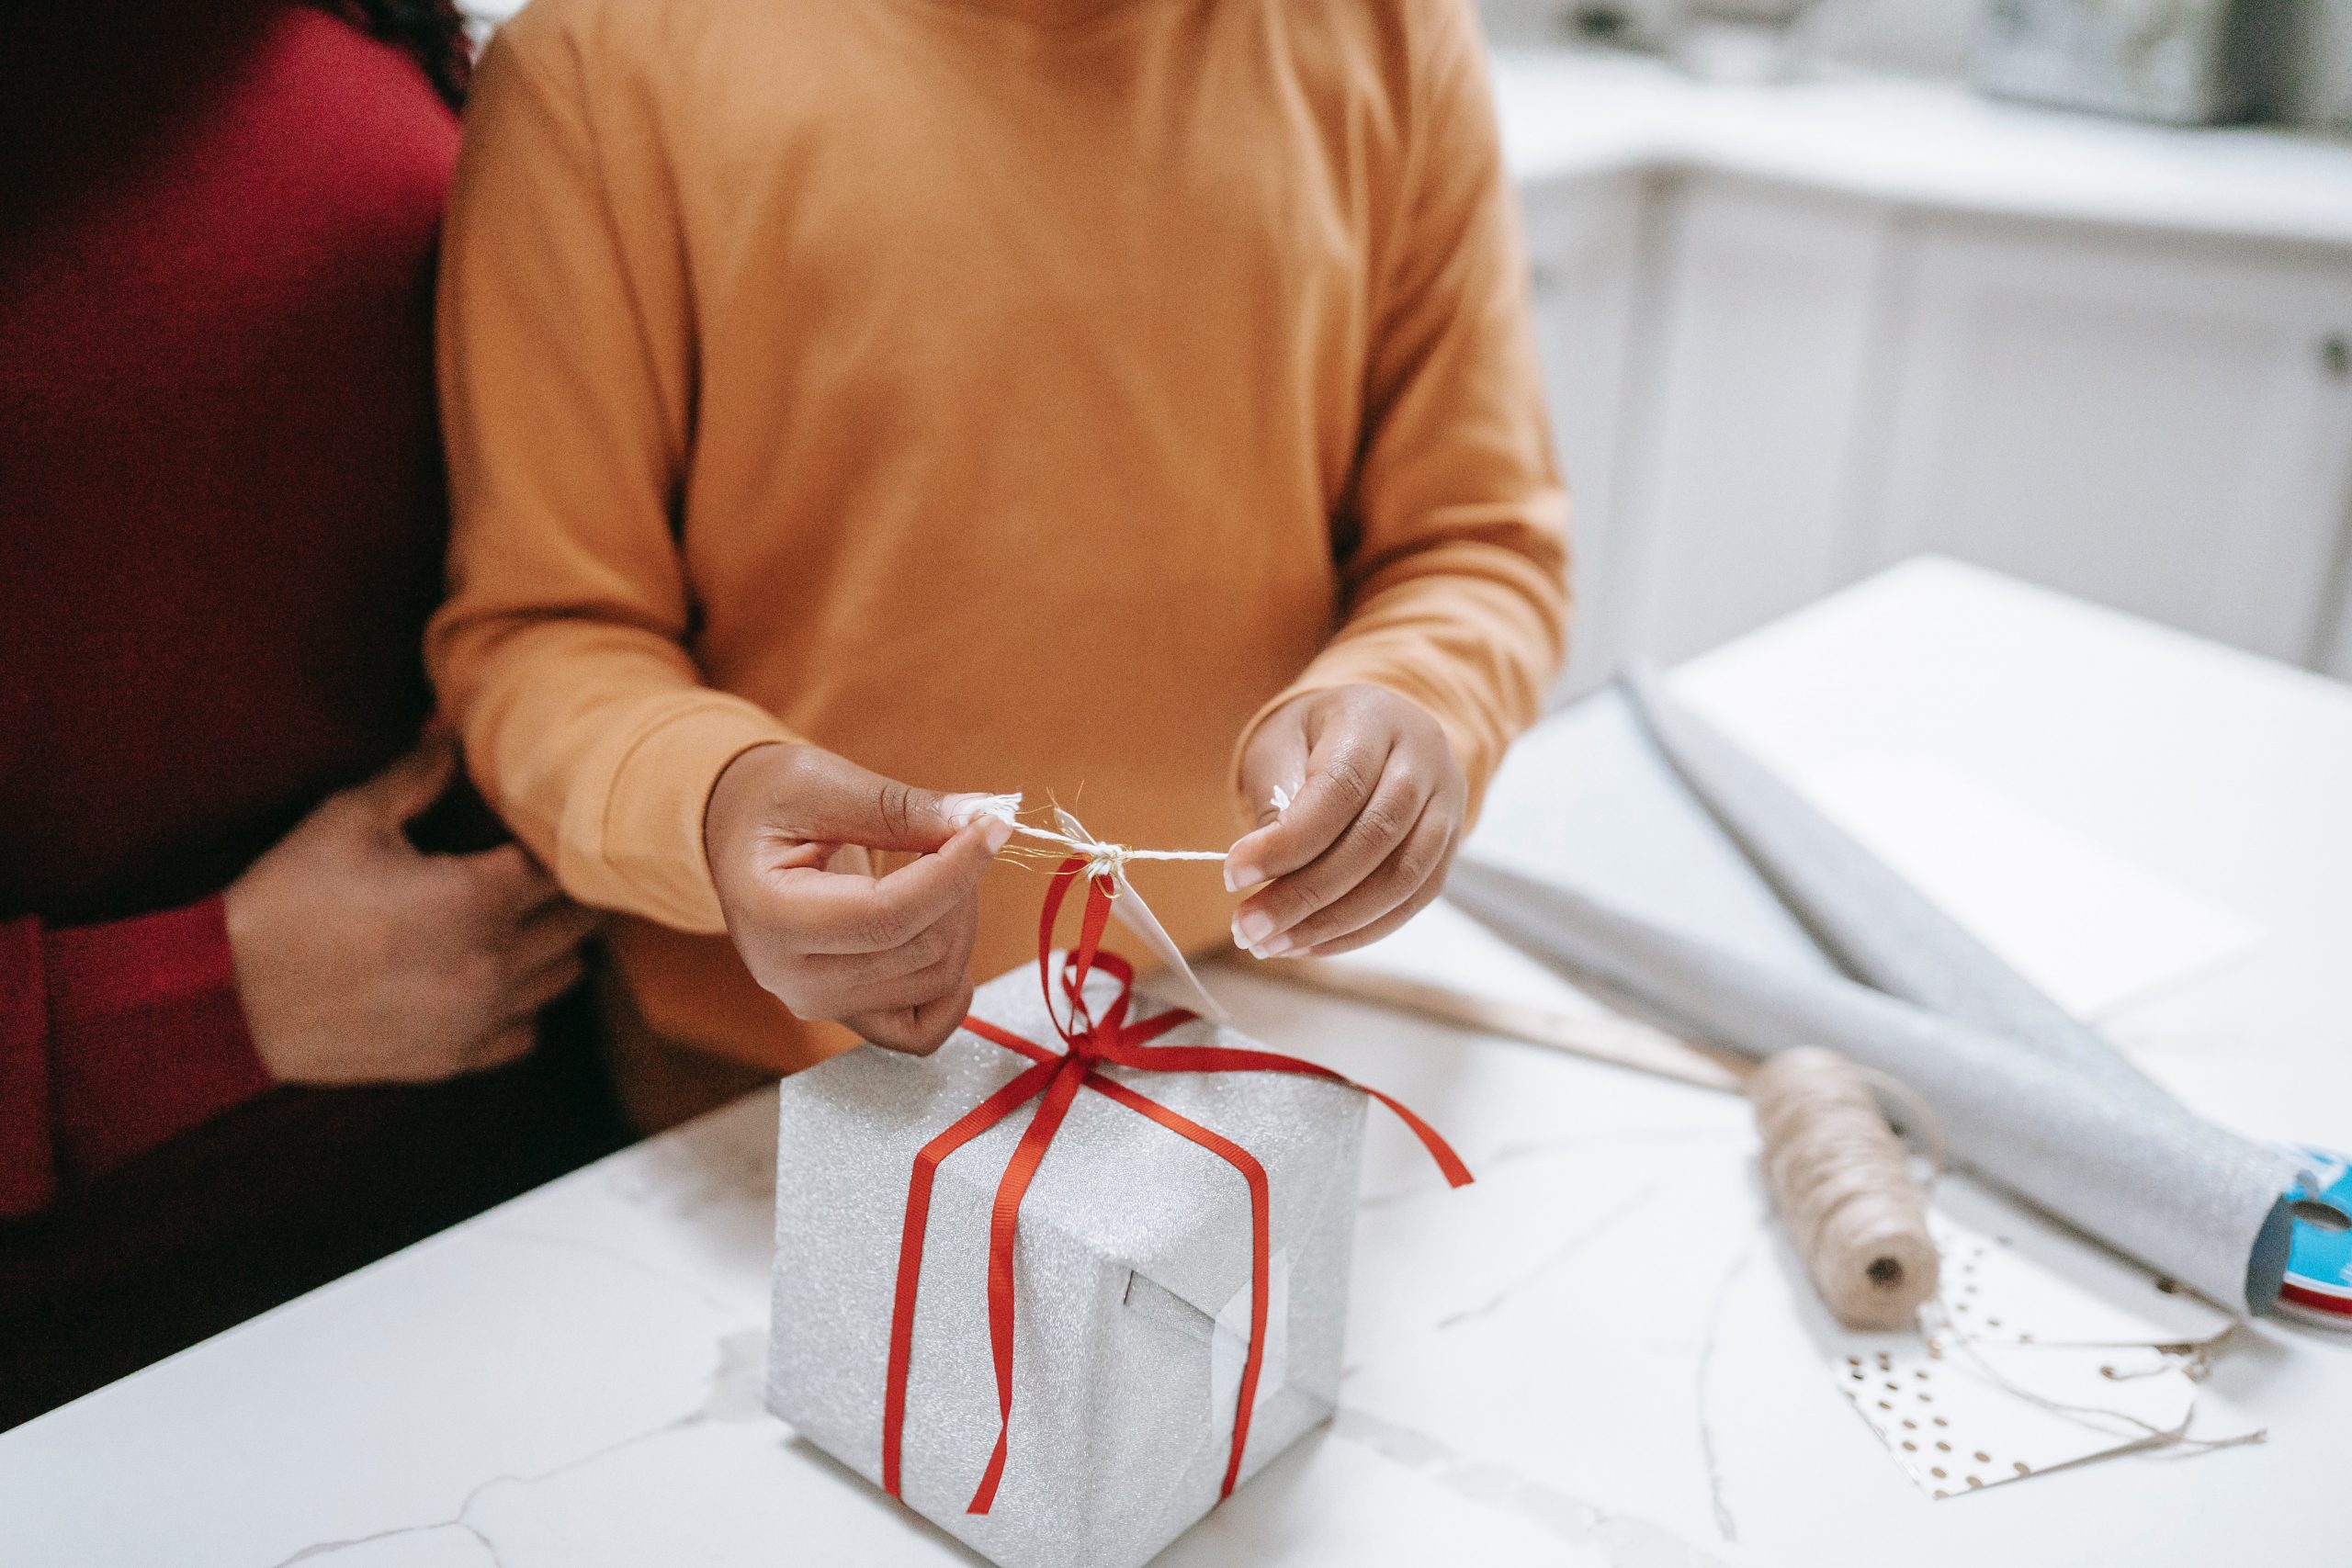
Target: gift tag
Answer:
[[2039, 1351], [1128, 908], [1959, 1416], [2011, 1277]]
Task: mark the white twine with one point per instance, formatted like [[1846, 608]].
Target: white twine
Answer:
[[1102, 858], [2099, 1417], [1106, 857]]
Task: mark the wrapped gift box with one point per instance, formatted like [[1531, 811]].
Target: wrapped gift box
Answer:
[[1132, 1273]]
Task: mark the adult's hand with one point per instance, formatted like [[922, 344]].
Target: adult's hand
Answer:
[[889, 956], [1377, 804], [359, 960]]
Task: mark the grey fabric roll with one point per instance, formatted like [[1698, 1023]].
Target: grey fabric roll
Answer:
[[2135, 1170], [1876, 926]]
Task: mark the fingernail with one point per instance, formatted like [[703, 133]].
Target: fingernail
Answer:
[[1253, 928], [1239, 875], [962, 810], [995, 834], [1278, 947]]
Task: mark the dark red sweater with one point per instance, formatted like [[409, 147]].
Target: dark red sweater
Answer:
[[221, 522]]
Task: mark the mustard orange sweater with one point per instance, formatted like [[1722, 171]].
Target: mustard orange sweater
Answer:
[[1008, 397]]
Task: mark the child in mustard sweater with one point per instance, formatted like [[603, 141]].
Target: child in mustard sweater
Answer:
[[848, 400]]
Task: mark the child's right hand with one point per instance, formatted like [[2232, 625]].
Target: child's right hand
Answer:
[[887, 957]]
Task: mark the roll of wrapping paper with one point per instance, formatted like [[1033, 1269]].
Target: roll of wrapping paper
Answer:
[[2135, 1170], [1876, 926]]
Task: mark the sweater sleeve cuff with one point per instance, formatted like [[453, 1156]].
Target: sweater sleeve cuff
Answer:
[[148, 1036], [650, 832]]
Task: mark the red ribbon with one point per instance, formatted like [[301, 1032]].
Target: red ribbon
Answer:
[[1054, 1079]]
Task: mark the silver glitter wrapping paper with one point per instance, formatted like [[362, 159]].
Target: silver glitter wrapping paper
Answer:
[[1877, 926], [2137, 1172], [1133, 1239]]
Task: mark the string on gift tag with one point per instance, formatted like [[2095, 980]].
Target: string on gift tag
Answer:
[[1841, 1180], [2193, 1363]]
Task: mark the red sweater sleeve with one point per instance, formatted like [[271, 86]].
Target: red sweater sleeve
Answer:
[[113, 1039], [28, 1153]]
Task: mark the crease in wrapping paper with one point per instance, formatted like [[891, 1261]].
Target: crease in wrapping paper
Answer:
[[2134, 1169]]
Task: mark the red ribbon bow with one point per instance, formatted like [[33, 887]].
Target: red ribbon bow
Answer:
[[1054, 1079]]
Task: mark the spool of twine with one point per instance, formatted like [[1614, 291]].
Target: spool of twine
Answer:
[[1842, 1183]]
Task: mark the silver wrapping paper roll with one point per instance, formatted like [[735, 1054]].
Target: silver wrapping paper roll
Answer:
[[1131, 1286], [2137, 1172], [1877, 926]]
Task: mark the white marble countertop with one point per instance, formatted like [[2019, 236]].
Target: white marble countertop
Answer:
[[1599, 1353], [1569, 113]]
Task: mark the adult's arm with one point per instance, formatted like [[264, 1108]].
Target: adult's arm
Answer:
[[114, 1038], [1453, 542]]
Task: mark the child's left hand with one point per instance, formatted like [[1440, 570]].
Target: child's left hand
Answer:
[[1377, 803]]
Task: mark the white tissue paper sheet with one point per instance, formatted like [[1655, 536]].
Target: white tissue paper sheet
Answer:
[[1133, 1242], [2087, 928]]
